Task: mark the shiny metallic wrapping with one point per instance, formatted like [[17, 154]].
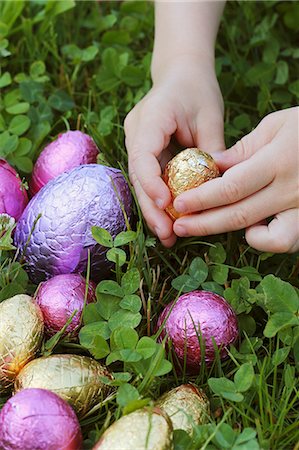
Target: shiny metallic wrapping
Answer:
[[59, 297], [75, 378], [13, 195], [68, 150], [188, 170], [144, 429], [21, 332], [69, 206], [195, 314], [186, 406], [36, 419]]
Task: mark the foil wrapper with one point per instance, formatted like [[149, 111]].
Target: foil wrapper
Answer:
[[199, 316], [76, 379], [188, 170], [21, 332], [60, 238], [144, 429], [37, 419], [186, 406], [68, 150], [13, 195], [58, 299]]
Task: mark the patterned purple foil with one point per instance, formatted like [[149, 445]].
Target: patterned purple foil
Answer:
[[37, 419], [59, 297], [195, 313], [69, 206], [13, 196], [68, 150]]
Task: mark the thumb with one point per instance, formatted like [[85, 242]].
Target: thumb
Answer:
[[248, 144]]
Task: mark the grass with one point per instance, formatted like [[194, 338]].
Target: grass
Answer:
[[85, 65]]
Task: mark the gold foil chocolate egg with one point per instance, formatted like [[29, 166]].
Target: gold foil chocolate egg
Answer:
[[21, 332], [75, 378], [188, 170], [186, 406], [144, 429]]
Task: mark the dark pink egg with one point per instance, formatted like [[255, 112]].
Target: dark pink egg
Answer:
[[199, 313], [37, 419], [69, 150], [59, 297], [13, 195]]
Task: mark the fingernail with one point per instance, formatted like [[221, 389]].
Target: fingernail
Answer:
[[180, 230], [180, 206], [159, 202]]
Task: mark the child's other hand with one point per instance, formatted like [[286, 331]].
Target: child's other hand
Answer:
[[185, 102], [261, 180]]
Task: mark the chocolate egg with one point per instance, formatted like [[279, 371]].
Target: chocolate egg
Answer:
[[37, 419], [75, 378], [21, 332], [69, 205], [144, 429], [188, 170], [195, 316], [13, 195], [186, 406], [68, 150], [58, 299]]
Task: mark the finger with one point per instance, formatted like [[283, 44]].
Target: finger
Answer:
[[237, 183], [145, 140], [237, 216], [210, 132], [281, 235], [262, 135], [157, 220]]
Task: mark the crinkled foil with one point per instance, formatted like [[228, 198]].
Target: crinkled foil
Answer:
[[75, 378], [188, 170], [21, 332]]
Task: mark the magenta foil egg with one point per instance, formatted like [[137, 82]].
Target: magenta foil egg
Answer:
[[13, 195], [37, 419], [195, 314], [68, 150], [58, 299], [54, 231]]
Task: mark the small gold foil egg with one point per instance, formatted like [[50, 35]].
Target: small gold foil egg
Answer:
[[188, 170], [21, 332], [75, 378], [186, 406]]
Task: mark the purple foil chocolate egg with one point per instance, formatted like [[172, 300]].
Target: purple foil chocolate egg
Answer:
[[13, 195], [59, 297], [68, 150], [199, 313], [37, 419], [69, 206]]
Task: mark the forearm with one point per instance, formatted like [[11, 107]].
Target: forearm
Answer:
[[185, 30]]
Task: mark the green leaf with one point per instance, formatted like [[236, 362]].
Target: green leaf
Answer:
[[248, 271], [225, 388], [282, 72], [125, 318], [8, 143], [294, 88], [37, 68], [280, 296], [24, 147], [102, 236], [125, 394], [99, 348], [244, 377], [116, 255], [247, 435], [219, 273], [198, 270], [116, 37], [131, 302], [185, 283], [107, 304], [130, 281], [213, 287], [89, 53], [5, 80], [19, 124], [280, 321], [91, 314], [217, 254], [124, 337], [109, 287], [124, 237], [260, 73], [132, 76], [91, 330], [61, 101], [280, 355], [225, 436], [24, 164], [146, 347]]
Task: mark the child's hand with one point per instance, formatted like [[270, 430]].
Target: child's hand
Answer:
[[261, 180], [185, 102]]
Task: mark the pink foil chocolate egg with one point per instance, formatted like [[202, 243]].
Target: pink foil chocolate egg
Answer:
[[59, 298], [195, 314], [37, 419], [13, 195], [68, 150]]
